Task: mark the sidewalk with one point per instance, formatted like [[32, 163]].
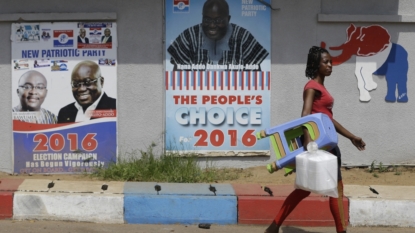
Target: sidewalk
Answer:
[[170, 203]]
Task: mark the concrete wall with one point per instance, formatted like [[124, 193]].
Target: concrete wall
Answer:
[[384, 126]]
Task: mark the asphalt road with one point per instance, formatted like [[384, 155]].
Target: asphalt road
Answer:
[[77, 227]]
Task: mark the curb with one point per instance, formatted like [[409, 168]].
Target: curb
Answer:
[[313, 211], [393, 206], [177, 203], [7, 189]]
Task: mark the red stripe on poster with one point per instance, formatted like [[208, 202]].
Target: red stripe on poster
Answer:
[[25, 126], [201, 81], [174, 80], [235, 75], [207, 80], [221, 80], [214, 80], [242, 79]]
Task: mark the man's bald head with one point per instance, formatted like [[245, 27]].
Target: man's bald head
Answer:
[[221, 5], [32, 90]]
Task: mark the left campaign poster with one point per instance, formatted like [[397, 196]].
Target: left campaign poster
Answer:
[[64, 91]]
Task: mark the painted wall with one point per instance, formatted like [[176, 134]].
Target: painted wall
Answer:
[[384, 126]]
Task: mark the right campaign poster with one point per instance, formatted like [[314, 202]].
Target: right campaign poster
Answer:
[[217, 78], [64, 90]]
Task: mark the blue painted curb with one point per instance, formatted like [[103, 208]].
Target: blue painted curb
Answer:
[[183, 209], [179, 203]]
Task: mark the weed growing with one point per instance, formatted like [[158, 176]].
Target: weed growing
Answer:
[[372, 167], [171, 167], [381, 168]]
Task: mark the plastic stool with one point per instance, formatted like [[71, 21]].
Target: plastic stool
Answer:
[[285, 138]]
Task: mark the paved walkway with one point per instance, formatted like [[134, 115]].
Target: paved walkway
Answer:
[[80, 227]]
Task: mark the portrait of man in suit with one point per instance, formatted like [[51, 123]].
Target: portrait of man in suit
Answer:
[[32, 91], [87, 83], [82, 38], [106, 38]]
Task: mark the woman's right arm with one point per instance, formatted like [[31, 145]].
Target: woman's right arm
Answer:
[[308, 98]]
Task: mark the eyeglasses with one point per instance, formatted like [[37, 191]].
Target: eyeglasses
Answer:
[[86, 83], [216, 21], [31, 87]]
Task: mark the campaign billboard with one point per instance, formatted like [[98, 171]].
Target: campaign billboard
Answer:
[[217, 76], [64, 90]]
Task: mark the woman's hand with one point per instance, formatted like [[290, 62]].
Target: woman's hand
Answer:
[[358, 143]]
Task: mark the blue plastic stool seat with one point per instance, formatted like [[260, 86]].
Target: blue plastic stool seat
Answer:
[[285, 138]]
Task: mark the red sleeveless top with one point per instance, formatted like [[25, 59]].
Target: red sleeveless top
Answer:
[[323, 104]]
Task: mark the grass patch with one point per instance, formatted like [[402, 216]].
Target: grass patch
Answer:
[[170, 167], [381, 168]]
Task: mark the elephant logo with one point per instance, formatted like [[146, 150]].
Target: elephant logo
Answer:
[[375, 54]]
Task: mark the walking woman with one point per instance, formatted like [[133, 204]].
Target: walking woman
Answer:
[[318, 100]]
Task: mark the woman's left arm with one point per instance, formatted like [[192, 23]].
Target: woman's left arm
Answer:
[[357, 141]]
